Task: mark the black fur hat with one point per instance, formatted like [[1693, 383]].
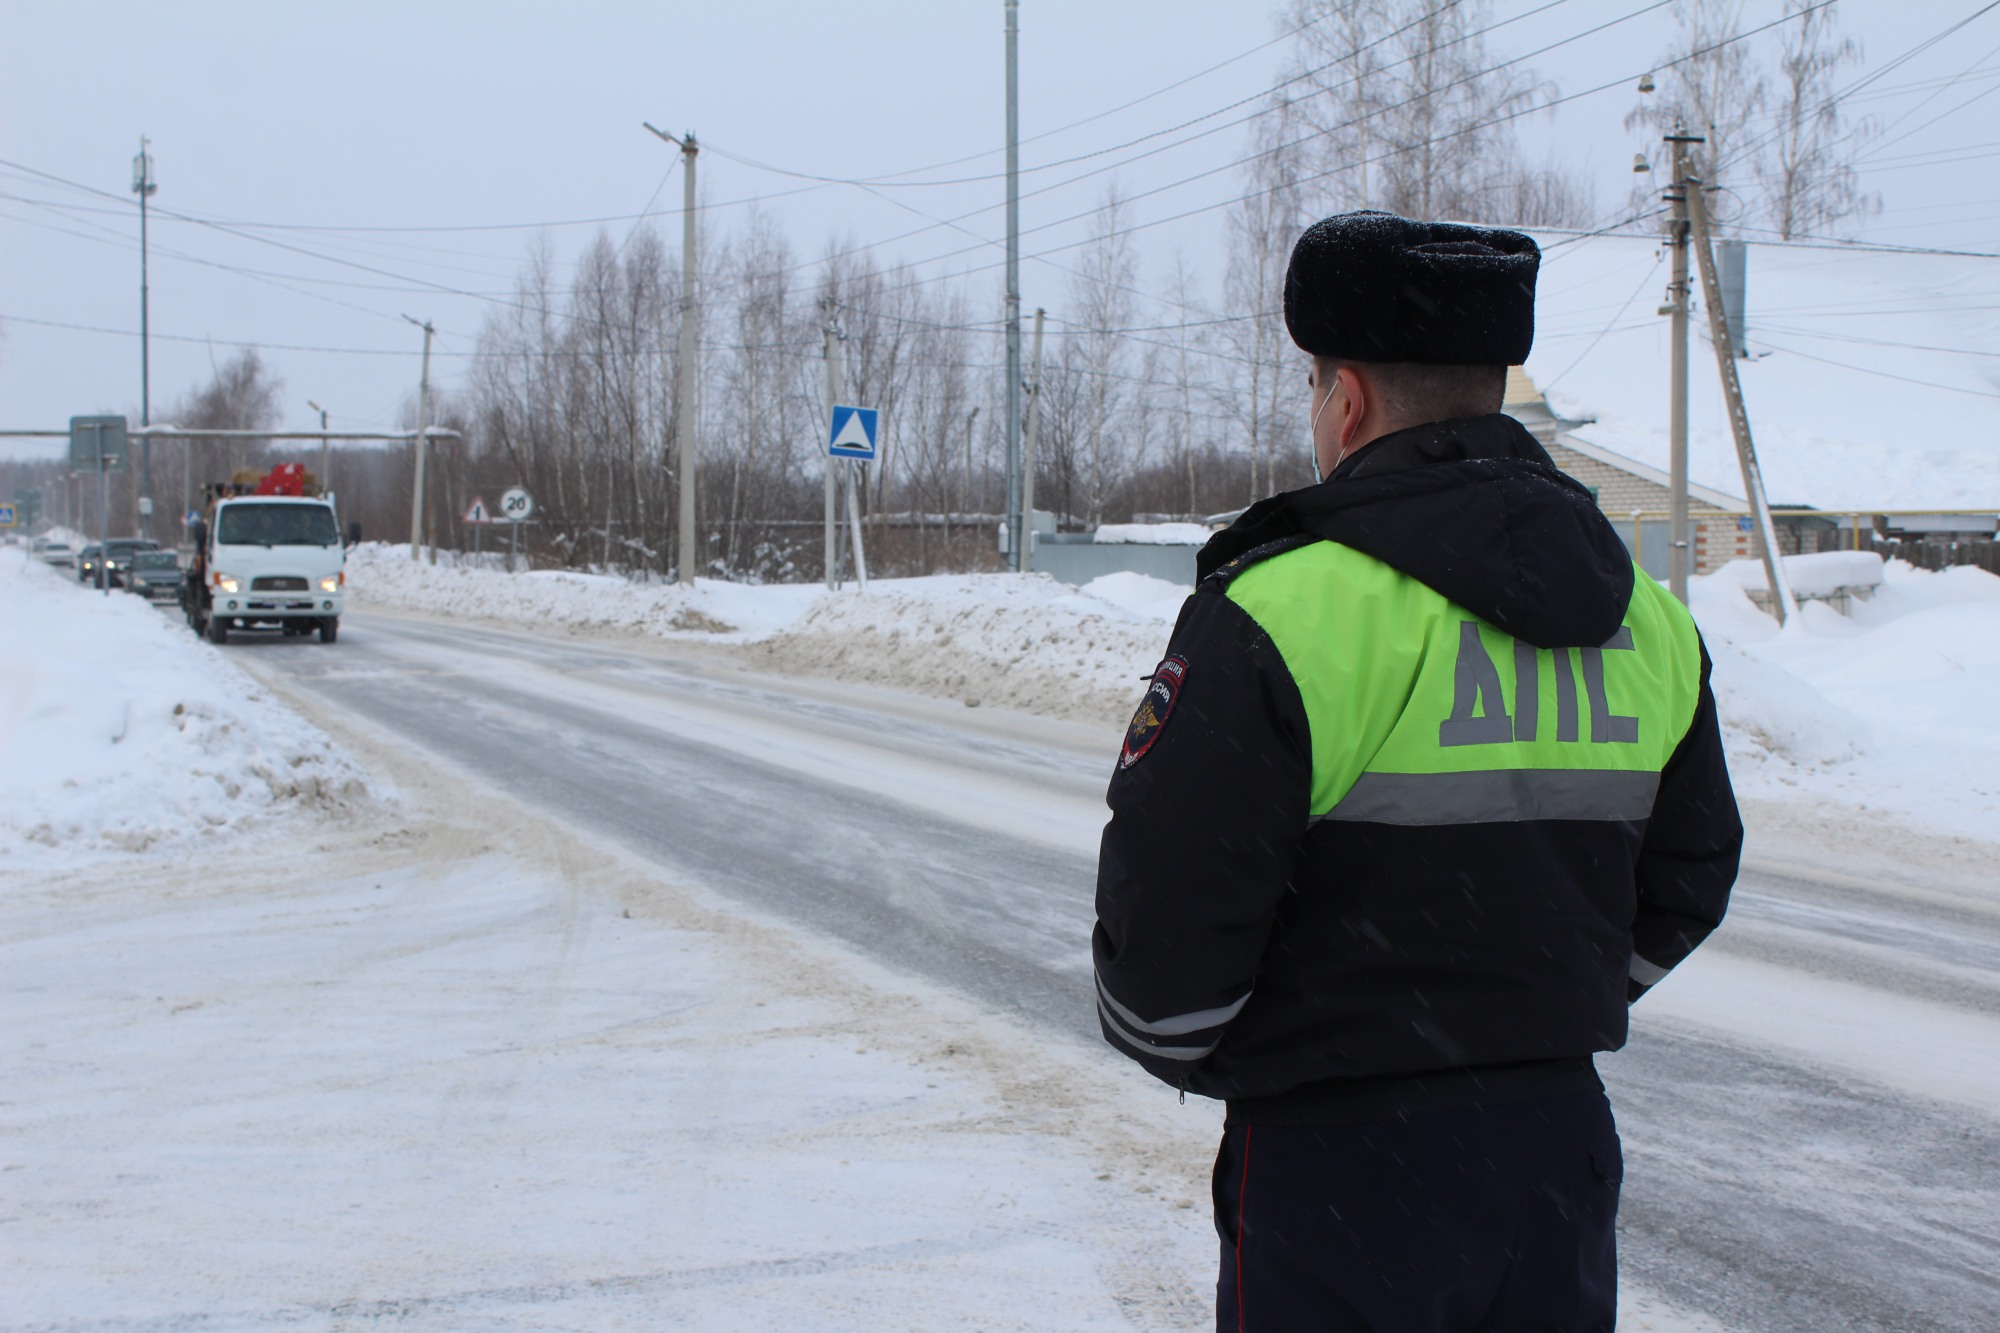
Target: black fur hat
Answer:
[[1371, 286]]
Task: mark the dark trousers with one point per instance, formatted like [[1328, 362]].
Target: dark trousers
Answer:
[[1475, 1220]]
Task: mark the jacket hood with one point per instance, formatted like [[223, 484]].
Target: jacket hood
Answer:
[[1473, 509]]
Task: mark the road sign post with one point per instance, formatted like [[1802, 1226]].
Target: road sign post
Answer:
[[477, 518], [99, 443], [516, 508], [853, 436]]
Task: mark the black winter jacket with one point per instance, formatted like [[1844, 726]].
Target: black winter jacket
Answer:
[[1343, 969]]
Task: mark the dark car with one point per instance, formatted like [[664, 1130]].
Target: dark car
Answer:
[[154, 575], [115, 555]]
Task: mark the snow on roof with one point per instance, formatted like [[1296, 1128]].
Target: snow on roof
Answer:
[[1151, 534], [1874, 381]]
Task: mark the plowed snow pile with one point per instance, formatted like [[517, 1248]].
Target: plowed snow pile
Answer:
[[120, 731], [993, 639], [1892, 708], [462, 585]]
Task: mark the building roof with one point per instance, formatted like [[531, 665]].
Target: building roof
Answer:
[[1873, 381]]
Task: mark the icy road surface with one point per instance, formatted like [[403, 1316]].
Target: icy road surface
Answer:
[[1811, 1109]]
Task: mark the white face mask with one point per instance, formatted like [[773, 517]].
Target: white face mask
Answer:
[[1312, 434]]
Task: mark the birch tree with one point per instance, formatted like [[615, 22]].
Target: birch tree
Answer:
[[1807, 171]]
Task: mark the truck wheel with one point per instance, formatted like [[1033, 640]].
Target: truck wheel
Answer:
[[218, 630], [329, 629]]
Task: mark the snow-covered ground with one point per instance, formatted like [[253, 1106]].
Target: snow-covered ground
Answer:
[[1873, 383], [1889, 714], [118, 729], [465, 1088], [438, 1060]]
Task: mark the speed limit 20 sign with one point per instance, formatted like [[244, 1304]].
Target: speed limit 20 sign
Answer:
[[516, 506]]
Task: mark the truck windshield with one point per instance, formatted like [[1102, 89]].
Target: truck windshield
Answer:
[[276, 525]]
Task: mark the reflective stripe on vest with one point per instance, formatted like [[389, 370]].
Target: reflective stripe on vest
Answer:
[[1421, 713]]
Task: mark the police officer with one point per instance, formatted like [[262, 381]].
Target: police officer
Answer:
[[1427, 790]]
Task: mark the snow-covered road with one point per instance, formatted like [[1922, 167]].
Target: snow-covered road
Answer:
[[1811, 1112]]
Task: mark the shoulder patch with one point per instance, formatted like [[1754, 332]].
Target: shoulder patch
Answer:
[[1163, 687]]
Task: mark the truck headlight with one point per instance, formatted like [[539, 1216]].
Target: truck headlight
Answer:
[[331, 583], [224, 582]]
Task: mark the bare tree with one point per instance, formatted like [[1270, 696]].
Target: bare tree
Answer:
[[1100, 294], [1261, 228], [1546, 197], [242, 394], [1807, 171], [1335, 89], [1408, 111], [1709, 86]]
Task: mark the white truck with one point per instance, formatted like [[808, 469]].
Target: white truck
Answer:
[[271, 560]]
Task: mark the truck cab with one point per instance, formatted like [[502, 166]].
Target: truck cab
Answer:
[[269, 561]]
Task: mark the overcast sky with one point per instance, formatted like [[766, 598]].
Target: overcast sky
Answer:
[[308, 130]]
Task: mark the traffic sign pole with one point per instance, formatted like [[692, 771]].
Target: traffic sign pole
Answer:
[[103, 514], [853, 437], [516, 507]]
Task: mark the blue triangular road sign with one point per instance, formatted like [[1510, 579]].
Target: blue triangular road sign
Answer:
[[852, 434]]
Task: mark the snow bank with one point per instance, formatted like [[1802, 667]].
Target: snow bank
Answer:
[[1892, 709], [1815, 575], [1030, 643], [385, 576], [1151, 534], [993, 639], [120, 731]]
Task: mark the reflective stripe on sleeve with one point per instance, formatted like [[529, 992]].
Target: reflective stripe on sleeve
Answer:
[[1498, 796], [1143, 1047], [1146, 1037], [1645, 973]]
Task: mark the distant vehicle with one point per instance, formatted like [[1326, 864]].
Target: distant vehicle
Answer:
[[57, 554], [267, 559], [154, 575], [116, 557]]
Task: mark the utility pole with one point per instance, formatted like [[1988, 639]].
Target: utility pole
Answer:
[[1680, 548], [325, 451], [422, 441], [830, 350], [690, 449], [1032, 411], [1013, 519], [1739, 416], [145, 187], [967, 499]]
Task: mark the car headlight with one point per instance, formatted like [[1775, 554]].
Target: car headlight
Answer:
[[224, 582], [331, 583]]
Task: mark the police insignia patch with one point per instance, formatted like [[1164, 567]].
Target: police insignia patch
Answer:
[[1162, 689]]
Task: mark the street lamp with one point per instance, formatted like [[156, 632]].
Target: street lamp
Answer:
[[145, 187], [325, 451]]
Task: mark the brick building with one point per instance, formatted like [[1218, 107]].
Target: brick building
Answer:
[[1623, 486]]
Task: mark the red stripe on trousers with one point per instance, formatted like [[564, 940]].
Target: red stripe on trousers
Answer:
[[1242, 1199]]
